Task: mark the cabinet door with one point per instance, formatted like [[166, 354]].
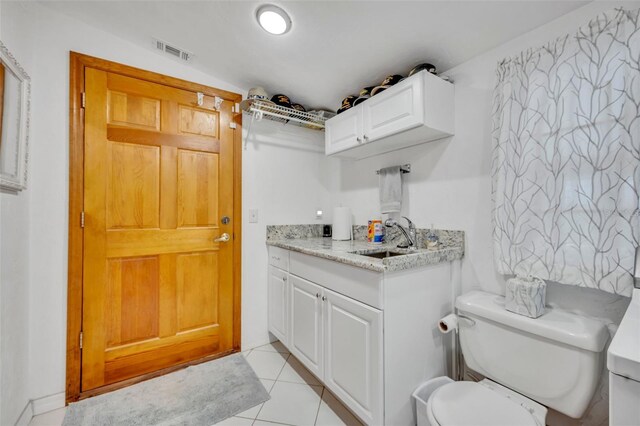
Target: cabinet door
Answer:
[[393, 111], [343, 131], [306, 324], [353, 355], [278, 298]]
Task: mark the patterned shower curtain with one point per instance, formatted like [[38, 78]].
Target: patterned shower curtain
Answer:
[[566, 159]]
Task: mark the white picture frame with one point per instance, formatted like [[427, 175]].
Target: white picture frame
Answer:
[[14, 130]]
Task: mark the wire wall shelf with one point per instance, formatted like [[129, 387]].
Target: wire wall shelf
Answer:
[[265, 109]]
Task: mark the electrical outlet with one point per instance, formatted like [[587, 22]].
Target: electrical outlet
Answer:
[[253, 215]]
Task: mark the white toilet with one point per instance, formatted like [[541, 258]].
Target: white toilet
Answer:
[[553, 361]]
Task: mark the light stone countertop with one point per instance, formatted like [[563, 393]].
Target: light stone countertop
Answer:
[[342, 251]]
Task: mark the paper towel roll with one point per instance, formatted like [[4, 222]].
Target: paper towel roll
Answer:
[[448, 324], [341, 229]]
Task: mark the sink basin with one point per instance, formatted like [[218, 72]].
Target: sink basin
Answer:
[[382, 254]]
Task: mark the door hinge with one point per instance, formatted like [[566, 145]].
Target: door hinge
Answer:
[[81, 340], [236, 108], [83, 99], [233, 125], [82, 220]]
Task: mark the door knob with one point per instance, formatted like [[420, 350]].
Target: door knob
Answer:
[[223, 238]]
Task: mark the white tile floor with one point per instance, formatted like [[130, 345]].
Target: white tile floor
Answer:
[[297, 397]]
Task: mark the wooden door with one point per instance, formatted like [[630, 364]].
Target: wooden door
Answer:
[[278, 300], [353, 355], [158, 179], [306, 324]]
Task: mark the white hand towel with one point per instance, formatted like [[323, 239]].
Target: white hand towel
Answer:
[[390, 189]]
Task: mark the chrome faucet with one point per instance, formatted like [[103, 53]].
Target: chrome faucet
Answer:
[[409, 233]]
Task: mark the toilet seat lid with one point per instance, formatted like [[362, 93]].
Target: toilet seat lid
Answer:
[[469, 403]]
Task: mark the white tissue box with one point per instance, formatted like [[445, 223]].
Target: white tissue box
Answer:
[[526, 296]]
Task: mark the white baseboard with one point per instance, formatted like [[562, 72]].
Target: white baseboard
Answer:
[[26, 416], [48, 403]]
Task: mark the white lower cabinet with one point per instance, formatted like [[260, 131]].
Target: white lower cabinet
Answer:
[[278, 302], [369, 337], [340, 341], [353, 354], [306, 341]]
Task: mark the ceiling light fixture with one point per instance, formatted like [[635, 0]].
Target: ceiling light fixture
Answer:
[[273, 19]]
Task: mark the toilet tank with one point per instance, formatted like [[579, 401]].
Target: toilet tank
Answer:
[[555, 359]]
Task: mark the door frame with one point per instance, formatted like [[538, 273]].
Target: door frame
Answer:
[[78, 63]]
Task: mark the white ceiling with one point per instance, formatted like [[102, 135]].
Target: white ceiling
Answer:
[[334, 47]]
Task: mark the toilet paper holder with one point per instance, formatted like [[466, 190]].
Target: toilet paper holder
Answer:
[[450, 322]]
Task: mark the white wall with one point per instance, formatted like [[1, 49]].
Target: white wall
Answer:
[[39, 222], [14, 300], [450, 187], [286, 177], [14, 267]]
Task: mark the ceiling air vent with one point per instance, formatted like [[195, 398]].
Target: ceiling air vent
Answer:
[[176, 52]]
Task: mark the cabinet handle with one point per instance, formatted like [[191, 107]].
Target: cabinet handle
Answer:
[[324, 298], [359, 139], [366, 138], [284, 278], [317, 295]]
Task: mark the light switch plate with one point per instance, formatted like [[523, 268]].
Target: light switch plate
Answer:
[[253, 215]]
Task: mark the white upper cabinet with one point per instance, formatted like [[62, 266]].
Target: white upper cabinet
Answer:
[[394, 111], [344, 133], [419, 109]]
